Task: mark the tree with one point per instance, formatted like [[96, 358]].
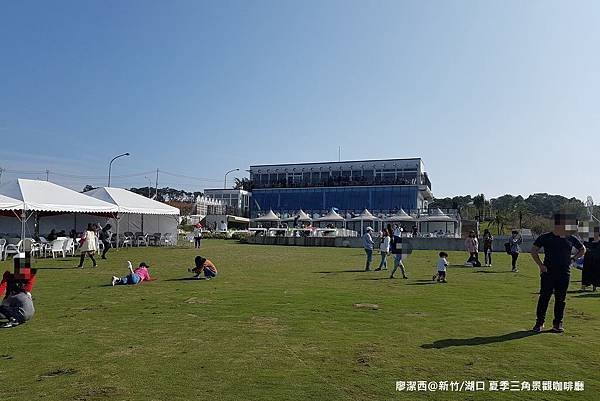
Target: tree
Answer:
[[479, 203], [499, 222], [243, 183]]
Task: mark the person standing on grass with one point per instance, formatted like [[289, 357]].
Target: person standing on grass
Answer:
[[368, 246], [591, 261], [88, 246], [197, 235], [396, 250], [105, 235], [488, 239], [515, 242], [555, 270], [442, 266], [384, 248]]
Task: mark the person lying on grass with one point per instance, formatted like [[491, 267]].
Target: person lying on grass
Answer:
[[17, 306], [134, 277], [203, 265]]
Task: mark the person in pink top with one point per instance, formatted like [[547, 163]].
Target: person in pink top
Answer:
[[134, 277]]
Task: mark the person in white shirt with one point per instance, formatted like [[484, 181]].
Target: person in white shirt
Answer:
[[368, 245], [384, 248], [397, 231], [442, 265], [197, 235]]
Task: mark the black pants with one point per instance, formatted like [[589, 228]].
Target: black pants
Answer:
[[197, 242], [556, 284], [474, 258], [487, 251], [82, 257], [106, 248], [514, 256]]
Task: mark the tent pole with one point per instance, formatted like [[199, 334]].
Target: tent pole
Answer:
[[117, 218]]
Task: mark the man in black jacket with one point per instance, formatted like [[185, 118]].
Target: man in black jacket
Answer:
[[555, 270]]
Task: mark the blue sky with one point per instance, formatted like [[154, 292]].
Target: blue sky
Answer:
[[495, 96]]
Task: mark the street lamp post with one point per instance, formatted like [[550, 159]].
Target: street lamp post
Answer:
[[111, 162], [149, 186], [230, 171]]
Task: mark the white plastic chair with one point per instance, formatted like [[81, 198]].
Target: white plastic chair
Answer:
[[57, 246], [12, 247], [69, 247], [141, 239], [2, 245], [29, 243], [127, 239], [166, 240]]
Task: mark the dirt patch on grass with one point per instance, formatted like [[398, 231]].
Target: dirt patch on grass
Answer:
[[125, 351], [574, 313], [194, 300], [56, 373], [367, 306], [95, 393], [365, 356], [267, 324]]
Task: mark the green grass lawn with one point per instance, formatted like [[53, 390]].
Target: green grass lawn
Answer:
[[279, 324]]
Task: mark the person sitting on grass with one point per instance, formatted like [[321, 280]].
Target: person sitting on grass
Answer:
[[17, 306], [27, 283], [442, 265], [203, 265], [134, 277]]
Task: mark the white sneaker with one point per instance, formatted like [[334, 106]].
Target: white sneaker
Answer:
[[11, 323], [114, 280]]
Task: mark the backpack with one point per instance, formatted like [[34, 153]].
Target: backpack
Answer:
[[507, 248]]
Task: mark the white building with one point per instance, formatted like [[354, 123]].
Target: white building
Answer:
[[237, 201]]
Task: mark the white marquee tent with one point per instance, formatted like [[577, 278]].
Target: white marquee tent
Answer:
[[136, 213], [49, 200]]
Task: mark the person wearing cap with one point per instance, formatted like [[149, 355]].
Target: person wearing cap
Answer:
[[368, 245], [134, 277], [197, 235], [555, 270]]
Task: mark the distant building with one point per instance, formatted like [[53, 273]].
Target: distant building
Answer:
[[206, 205], [381, 186], [222, 209], [236, 201]]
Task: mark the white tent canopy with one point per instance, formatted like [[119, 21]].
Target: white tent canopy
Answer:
[[400, 216], [45, 196], [270, 216], [331, 216], [365, 216], [8, 203], [130, 202], [136, 213], [302, 216], [437, 215]]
